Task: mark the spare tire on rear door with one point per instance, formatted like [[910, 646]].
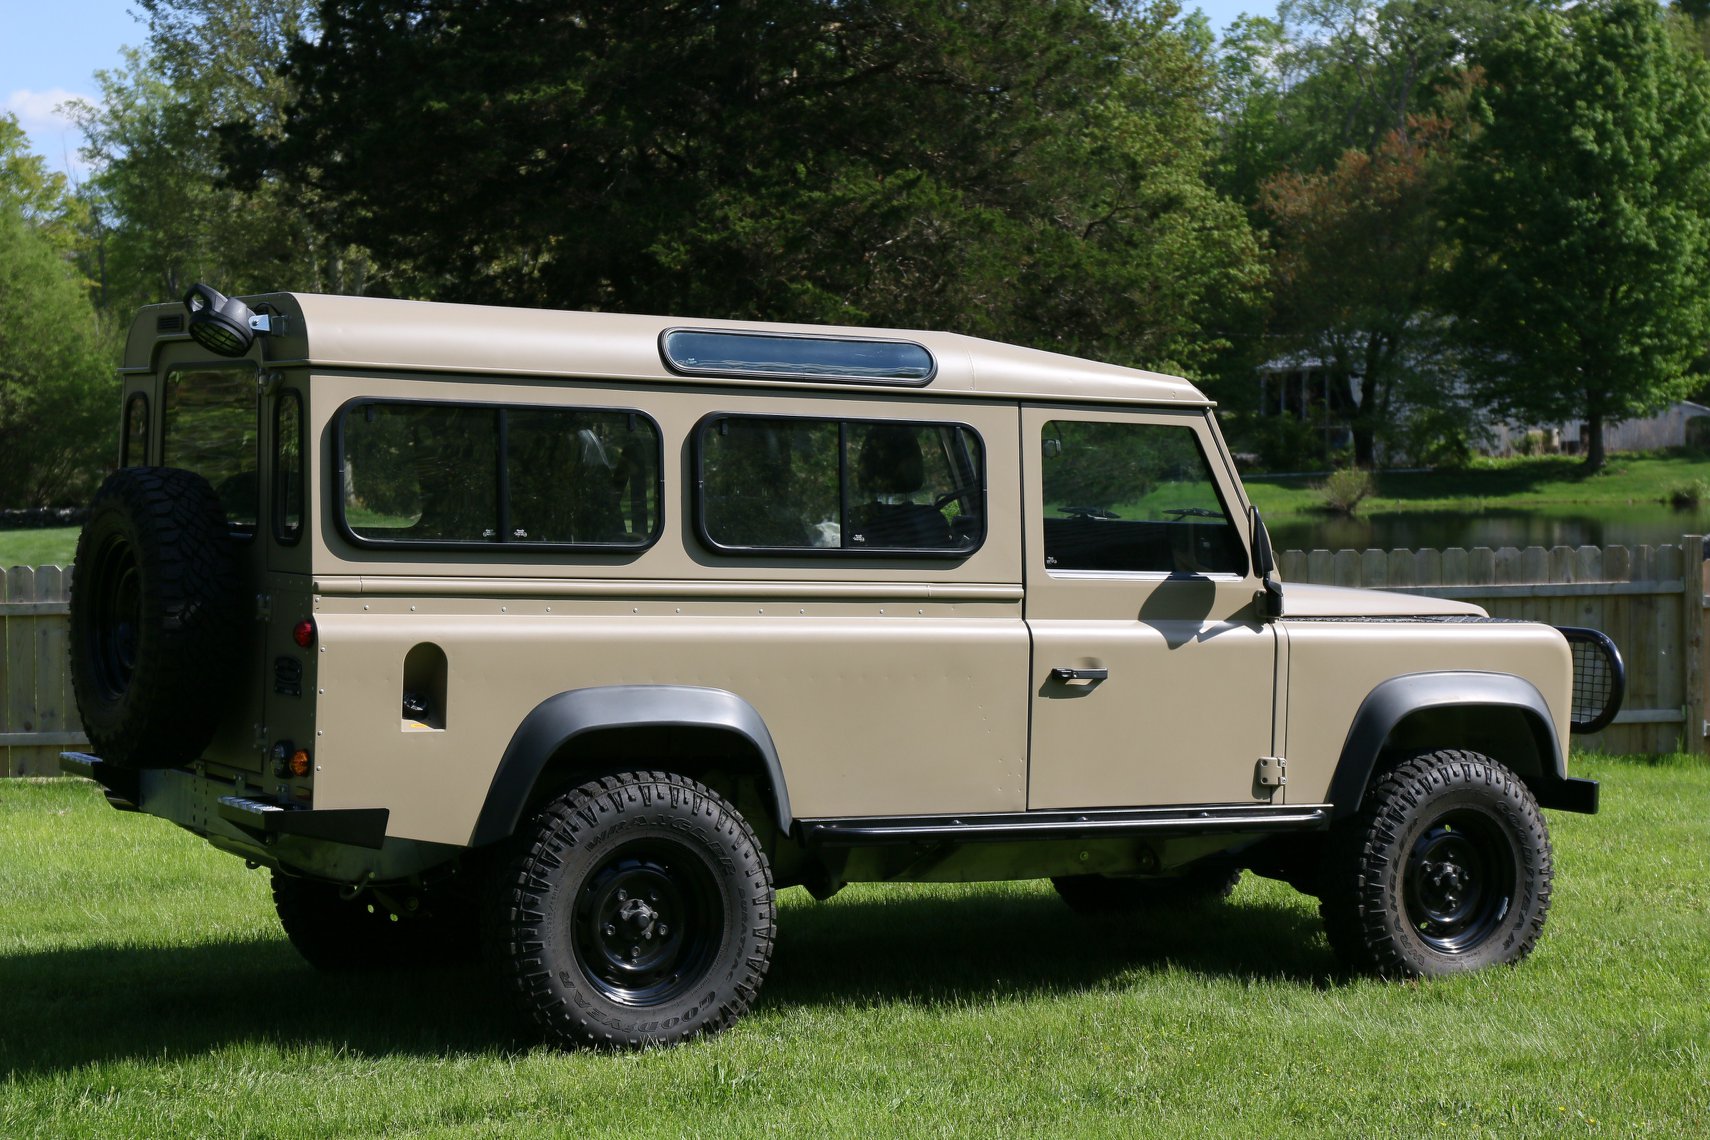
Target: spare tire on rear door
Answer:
[[155, 620]]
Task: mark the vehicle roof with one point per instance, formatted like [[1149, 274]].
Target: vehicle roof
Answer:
[[371, 333]]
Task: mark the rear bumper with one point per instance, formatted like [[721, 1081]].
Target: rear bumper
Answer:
[[344, 844]]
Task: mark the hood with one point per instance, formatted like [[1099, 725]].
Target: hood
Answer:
[[1303, 600]]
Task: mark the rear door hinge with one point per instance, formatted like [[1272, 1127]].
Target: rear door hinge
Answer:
[[1272, 771], [264, 607]]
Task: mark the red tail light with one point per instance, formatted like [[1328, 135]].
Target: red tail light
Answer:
[[303, 633]]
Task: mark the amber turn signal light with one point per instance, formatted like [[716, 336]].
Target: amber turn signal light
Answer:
[[299, 763]]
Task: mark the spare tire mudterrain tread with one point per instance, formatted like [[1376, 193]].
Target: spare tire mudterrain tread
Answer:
[[156, 626]]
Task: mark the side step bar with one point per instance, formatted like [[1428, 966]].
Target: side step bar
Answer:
[[1004, 826]]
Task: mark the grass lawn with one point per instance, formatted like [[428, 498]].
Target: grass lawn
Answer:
[[147, 991], [48, 546], [1526, 482]]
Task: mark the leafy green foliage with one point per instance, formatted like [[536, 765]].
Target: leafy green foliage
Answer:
[[164, 214], [58, 402], [1346, 489], [1358, 252], [1019, 169], [1584, 217]]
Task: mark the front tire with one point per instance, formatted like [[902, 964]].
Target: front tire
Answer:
[[1445, 868], [636, 910]]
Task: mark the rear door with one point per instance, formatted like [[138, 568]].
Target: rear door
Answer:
[[212, 424], [1153, 678]]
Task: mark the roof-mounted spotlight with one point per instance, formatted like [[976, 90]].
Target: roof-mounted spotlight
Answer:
[[219, 323]]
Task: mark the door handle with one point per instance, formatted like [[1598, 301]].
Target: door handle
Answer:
[[1065, 673]]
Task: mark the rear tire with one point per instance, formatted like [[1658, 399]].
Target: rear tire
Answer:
[[156, 627], [635, 910], [1445, 868]]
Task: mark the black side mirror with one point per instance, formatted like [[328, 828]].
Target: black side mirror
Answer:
[[1265, 563]]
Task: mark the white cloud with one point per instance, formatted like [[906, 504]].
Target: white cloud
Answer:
[[52, 133], [39, 110]]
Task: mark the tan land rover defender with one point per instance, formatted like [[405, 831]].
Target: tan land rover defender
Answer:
[[567, 638]]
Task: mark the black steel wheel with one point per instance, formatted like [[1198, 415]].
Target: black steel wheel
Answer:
[[1446, 867], [633, 910], [647, 923], [156, 628]]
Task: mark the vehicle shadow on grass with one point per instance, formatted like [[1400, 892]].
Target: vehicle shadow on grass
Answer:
[[71, 1008], [927, 950]]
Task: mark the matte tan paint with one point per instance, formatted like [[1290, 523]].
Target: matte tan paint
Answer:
[[890, 687], [1187, 708], [1333, 666]]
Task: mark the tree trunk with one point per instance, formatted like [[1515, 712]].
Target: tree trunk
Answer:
[[1365, 443], [1594, 455]]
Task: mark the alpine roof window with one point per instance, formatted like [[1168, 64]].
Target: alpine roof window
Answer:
[[701, 352]]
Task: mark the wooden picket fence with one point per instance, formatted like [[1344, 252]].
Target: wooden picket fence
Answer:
[[38, 717], [1650, 600]]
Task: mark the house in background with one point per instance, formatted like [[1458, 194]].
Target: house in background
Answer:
[[1681, 424], [1299, 387]]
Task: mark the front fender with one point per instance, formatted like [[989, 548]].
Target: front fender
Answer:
[[1394, 700]]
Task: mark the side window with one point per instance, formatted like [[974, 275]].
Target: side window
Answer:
[[133, 449], [211, 422], [432, 473], [771, 484], [288, 467], [1133, 497]]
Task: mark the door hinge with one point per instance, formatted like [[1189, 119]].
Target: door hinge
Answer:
[[264, 607], [1273, 771]]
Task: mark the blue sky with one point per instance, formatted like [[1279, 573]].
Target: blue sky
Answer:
[[51, 49]]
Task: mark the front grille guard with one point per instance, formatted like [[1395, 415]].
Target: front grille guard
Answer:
[[1599, 679]]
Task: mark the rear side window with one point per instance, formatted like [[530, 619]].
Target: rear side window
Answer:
[[434, 473], [1134, 497], [770, 484], [211, 421], [288, 467], [133, 450]]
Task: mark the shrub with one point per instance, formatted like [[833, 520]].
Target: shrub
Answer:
[[1346, 489], [1689, 493]]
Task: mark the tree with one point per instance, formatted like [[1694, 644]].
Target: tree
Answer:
[[165, 214], [29, 189], [1358, 251], [57, 395], [1583, 273], [1027, 169]]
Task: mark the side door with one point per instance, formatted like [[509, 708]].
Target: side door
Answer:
[[1154, 673]]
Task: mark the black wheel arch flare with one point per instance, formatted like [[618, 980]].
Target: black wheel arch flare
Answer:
[[556, 723], [1501, 702]]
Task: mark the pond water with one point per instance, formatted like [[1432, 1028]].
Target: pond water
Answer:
[[1635, 524]]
